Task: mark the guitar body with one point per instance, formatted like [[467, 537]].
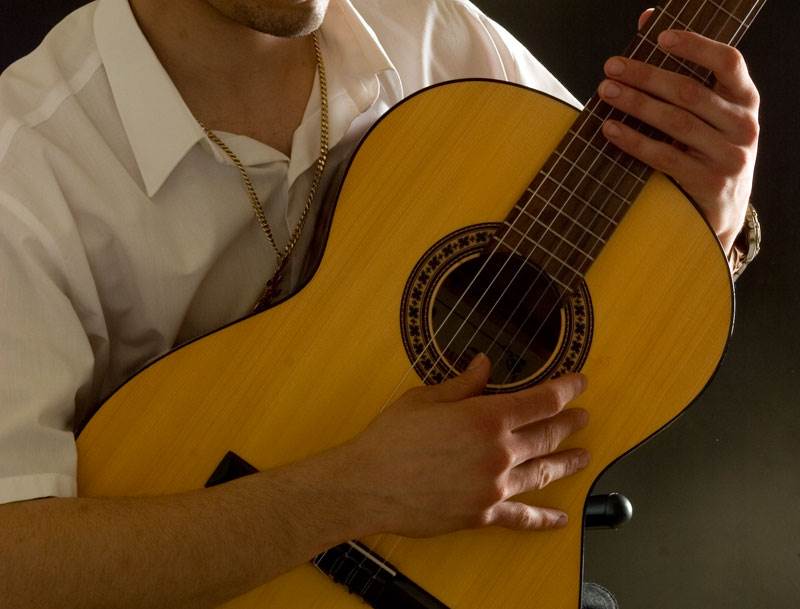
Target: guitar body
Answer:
[[311, 372]]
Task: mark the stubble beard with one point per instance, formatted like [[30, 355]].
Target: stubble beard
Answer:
[[274, 17]]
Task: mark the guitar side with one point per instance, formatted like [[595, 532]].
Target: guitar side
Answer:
[[265, 387]]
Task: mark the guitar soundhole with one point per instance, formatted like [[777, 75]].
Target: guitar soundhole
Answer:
[[458, 302], [502, 306]]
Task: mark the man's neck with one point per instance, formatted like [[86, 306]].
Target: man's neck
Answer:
[[232, 77]]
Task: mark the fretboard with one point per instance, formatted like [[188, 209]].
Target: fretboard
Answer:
[[583, 191]]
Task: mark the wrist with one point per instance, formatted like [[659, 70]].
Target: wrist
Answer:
[[322, 502]]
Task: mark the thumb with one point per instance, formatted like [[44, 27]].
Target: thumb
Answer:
[[467, 384]]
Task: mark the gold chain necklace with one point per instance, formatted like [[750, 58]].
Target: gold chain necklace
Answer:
[[281, 256]]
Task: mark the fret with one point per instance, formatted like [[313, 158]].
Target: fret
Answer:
[[708, 15], [563, 238], [582, 184], [727, 12], [559, 282], [699, 73], [585, 201], [559, 212], [549, 251], [626, 179], [753, 13], [591, 145], [535, 235], [690, 17], [729, 30], [675, 21], [593, 116], [563, 218], [573, 190], [575, 247], [596, 161], [626, 171], [588, 128], [748, 20], [546, 192], [561, 272], [580, 195]]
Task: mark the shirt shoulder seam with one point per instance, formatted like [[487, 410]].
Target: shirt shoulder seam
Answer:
[[53, 100]]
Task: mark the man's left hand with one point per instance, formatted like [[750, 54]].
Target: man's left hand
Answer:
[[715, 130]]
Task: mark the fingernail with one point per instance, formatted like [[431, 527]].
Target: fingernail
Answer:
[[584, 459], [562, 520], [476, 362], [584, 382], [611, 129], [614, 67], [609, 89], [583, 418], [667, 39]]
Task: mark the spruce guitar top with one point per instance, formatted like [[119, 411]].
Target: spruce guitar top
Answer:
[[524, 235]]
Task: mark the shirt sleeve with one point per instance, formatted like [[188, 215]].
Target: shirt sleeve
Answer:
[[46, 361], [521, 66], [514, 62]]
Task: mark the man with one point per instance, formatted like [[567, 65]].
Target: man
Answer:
[[125, 230]]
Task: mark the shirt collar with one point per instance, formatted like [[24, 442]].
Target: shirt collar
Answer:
[[161, 128]]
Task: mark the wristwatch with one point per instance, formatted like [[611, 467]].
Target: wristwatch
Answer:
[[747, 243]]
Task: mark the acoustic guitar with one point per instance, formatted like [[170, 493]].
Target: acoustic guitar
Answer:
[[476, 216]]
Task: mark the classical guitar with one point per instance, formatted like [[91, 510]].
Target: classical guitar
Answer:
[[475, 216]]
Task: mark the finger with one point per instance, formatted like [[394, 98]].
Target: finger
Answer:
[[645, 17], [522, 517], [685, 92], [536, 474], [540, 402], [543, 438], [661, 156], [469, 383], [679, 124], [723, 60]]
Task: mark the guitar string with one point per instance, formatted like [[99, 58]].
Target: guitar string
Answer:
[[616, 189], [427, 346], [738, 33], [530, 342], [407, 372], [741, 26], [611, 191], [466, 291], [396, 542], [549, 256], [469, 286]]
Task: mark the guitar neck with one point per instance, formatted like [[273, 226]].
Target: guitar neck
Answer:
[[583, 191]]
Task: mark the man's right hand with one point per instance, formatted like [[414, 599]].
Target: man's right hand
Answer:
[[445, 457]]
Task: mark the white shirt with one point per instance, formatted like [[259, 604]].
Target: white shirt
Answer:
[[124, 231]]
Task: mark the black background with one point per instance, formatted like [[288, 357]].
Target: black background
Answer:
[[717, 494]]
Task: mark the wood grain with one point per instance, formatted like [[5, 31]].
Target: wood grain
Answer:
[[267, 387]]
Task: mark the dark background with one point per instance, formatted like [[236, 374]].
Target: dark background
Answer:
[[717, 494]]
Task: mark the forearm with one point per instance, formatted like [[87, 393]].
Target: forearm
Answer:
[[196, 549]]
